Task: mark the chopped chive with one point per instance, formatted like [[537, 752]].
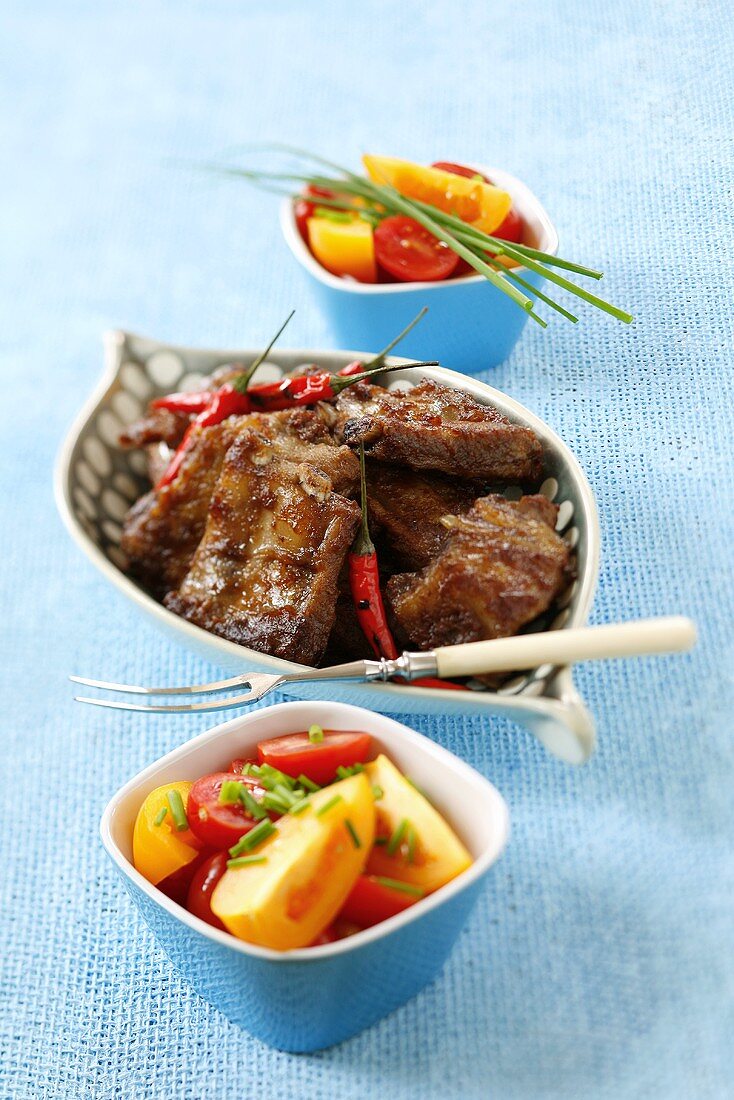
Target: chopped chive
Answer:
[[230, 792], [246, 861], [394, 842], [381, 840], [315, 734], [252, 805], [178, 813], [377, 792], [158, 820], [353, 833], [404, 887], [415, 787], [274, 802], [256, 835], [328, 805], [309, 784], [300, 806], [285, 793], [269, 777], [346, 773], [412, 840]]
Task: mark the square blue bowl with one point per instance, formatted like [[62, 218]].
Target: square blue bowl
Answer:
[[470, 325], [312, 998]]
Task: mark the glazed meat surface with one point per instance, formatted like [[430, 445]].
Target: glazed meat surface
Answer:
[[407, 506], [155, 426], [433, 427], [265, 574], [163, 528], [502, 565]]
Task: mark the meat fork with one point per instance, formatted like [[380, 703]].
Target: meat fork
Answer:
[[556, 647]]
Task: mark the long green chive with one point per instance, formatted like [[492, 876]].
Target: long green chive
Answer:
[[246, 861], [394, 842], [381, 840], [315, 734], [300, 806], [158, 820], [230, 793], [333, 215], [353, 833], [377, 792], [256, 835], [308, 784], [328, 805], [404, 887], [178, 813], [252, 805]]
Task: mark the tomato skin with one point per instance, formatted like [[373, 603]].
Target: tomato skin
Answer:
[[371, 903], [511, 228], [237, 766], [410, 253], [199, 895], [460, 170], [295, 755], [218, 825], [303, 208], [176, 885]]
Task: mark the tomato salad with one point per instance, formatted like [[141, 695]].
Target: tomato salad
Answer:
[[362, 245], [318, 838]]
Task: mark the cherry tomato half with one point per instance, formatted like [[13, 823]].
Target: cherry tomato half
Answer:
[[410, 253], [295, 755], [201, 888], [176, 885], [238, 765], [460, 170], [371, 902], [219, 825]]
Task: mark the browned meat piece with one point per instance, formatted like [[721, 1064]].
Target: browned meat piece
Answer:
[[407, 508], [502, 566], [157, 459], [162, 529], [265, 574], [156, 426], [433, 427]]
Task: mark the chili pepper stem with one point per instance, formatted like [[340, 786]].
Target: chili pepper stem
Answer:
[[340, 382], [380, 358], [242, 381], [363, 544]]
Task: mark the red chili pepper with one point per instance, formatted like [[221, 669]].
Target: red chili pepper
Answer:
[[191, 403], [364, 583], [231, 399]]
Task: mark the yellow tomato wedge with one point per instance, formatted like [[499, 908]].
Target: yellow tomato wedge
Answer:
[[429, 853], [160, 850], [481, 204], [344, 248], [312, 863]]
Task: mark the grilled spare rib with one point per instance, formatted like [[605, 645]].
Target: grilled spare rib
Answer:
[[502, 565], [433, 427], [163, 528], [407, 507], [265, 573]]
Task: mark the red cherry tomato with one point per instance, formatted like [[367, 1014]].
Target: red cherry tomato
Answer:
[[238, 765], [409, 252], [511, 229], [176, 886], [201, 888], [459, 170], [219, 825], [371, 902], [295, 755], [303, 209]]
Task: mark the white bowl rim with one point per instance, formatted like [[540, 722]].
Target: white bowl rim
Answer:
[[193, 633], [351, 943], [518, 189]]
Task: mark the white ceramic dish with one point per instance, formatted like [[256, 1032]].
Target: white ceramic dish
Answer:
[[313, 997], [96, 481]]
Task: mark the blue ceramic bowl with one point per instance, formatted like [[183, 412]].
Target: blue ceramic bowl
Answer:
[[470, 325], [309, 999]]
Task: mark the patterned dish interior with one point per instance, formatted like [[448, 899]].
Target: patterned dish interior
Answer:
[[106, 480]]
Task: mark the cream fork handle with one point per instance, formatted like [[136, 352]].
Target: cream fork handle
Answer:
[[565, 647]]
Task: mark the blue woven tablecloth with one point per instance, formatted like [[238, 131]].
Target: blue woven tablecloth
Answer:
[[599, 963]]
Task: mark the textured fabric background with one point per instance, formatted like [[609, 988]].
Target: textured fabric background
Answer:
[[600, 961]]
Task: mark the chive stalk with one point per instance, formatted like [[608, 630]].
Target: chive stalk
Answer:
[[398, 833], [256, 835], [178, 813], [404, 887], [246, 861], [315, 734], [353, 833], [158, 820]]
